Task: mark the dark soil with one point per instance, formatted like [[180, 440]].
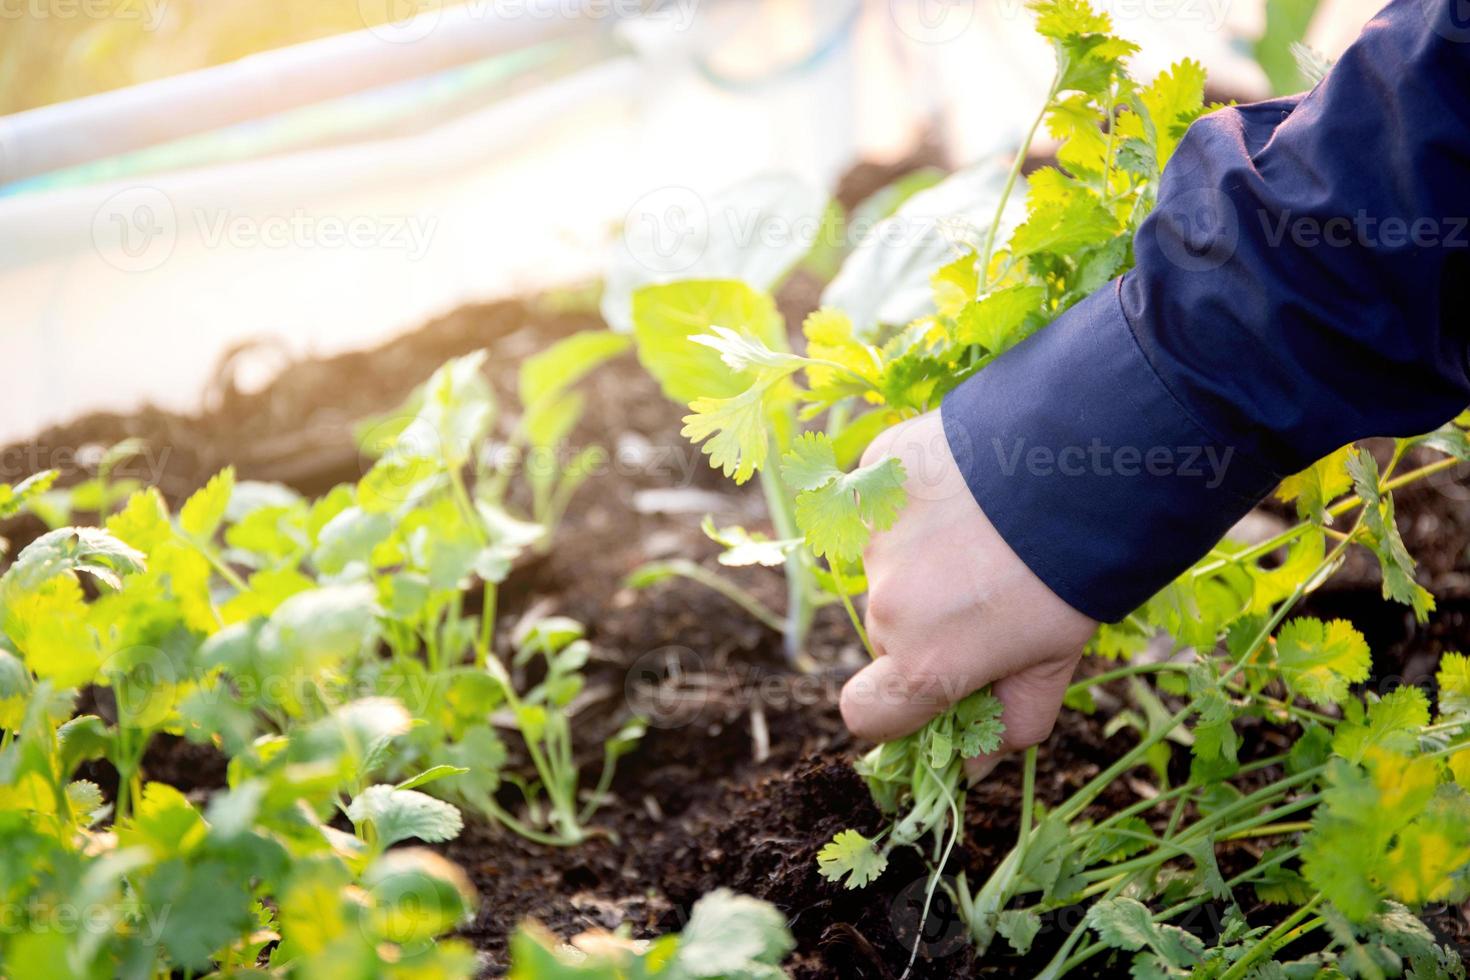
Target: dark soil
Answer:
[[747, 774]]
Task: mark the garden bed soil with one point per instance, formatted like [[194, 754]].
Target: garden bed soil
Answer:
[[745, 777]]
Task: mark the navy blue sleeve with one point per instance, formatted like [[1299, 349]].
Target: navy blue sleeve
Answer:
[[1301, 284]]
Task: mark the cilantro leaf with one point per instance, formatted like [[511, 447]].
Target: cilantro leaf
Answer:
[[852, 857], [1317, 486], [980, 727], [731, 935], [400, 814], [1453, 679], [837, 511], [1392, 722], [1383, 538], [665, 317], [736, 428], [1319, 660], [202, 513], [995, 321]]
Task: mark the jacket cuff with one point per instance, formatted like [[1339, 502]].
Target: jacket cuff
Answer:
[[1089, 467]]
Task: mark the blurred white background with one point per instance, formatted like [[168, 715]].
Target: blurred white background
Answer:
[[336, 192]]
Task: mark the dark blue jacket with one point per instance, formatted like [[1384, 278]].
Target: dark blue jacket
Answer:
[[1301, 284]]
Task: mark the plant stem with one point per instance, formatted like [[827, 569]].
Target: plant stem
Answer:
[[798, 572], [489, 596], [1336, 510], [1270, 830], [1028, 793], [1011, 178], [857, 623], [1131, 670], [1273, 940], [698, 573]]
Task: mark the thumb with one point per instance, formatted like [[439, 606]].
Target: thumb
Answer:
[[893, 696], [1031, 700]]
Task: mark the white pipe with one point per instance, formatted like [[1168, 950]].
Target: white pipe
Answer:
[[82, 130]]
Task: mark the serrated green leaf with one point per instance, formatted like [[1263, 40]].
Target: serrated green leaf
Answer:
[[837, 511], [1383, 538], [202, 513], [400, 814], [14, 498], [995, 321], [851, 858], [1319, 661], [1453, 680], [1317, 486], [665, 317], [736, 429], [733, 936]]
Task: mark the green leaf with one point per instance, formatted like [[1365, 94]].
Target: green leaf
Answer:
[[1283, 886], [1453, 679], [430, 775], [980, 726], [1127, 924], [1319, 661], [1019, 927], [736, 430], [1286, 25], [666, 317], [1392, 722], [995, 321], [1173, 100], [851, 858], [414, 895], [14, 498], [1122, 923], [1120, 842], [1317, 486], [1064, 226], [741, 352], [744, 548], [564, 363], [1383, 537], [71, 549], [837, 511], [202, 513], [400, 814], [732, 936], [317, 630]]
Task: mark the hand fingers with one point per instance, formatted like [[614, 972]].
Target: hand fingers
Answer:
[[894, 696], [1032, 698]]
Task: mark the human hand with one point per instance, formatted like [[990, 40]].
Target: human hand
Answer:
[[951, 608]]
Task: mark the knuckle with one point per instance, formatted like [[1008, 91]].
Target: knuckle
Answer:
[[884, 611], [1029, 731]]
